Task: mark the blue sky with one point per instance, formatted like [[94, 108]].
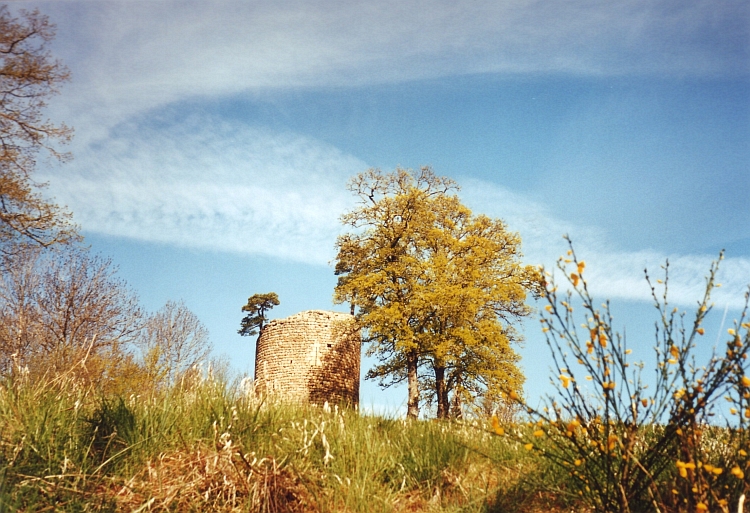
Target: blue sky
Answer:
[[214, 140]]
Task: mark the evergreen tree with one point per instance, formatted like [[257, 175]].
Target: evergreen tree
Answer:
[[257, 306]]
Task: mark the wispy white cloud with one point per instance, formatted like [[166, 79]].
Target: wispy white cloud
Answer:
[[211, 184], [129, 57], [611, 271]]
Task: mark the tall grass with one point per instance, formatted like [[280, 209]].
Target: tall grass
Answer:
[[208, 446]]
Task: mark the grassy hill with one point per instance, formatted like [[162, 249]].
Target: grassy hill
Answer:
[[208, 447]]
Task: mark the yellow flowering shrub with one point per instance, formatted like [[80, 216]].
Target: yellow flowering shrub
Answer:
[[634, 448]]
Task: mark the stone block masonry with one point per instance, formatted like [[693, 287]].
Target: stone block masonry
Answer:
[[313, 356]]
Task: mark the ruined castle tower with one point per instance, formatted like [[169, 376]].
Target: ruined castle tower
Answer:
[[312, 356]]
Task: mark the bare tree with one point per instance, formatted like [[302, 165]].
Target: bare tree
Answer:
[[172, 342], [64, 307], [84, 303], [19, 312]]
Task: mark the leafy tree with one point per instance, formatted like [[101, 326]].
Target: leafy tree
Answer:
[[434, 286], [172, 342], [257, 306], [28, 77], [478, 288]]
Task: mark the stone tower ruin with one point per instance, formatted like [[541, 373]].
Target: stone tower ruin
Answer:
[[313, 356]]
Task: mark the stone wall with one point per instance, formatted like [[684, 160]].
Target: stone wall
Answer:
[[313, 356]]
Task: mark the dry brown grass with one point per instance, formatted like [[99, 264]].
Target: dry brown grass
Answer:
[[214, 479]]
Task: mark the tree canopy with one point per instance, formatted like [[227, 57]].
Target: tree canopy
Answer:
[[434, 287], [28, 77], [257, 306]]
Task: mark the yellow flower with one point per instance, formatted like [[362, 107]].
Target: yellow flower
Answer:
[[737, 472], [574, 277], [743, 453], [548, 308], [577, 463], [674, 351], [672, 361], [528, 447], [745, 381], [565, 380], [496, 427], [730, 331], [701, 507], [644, 402], [717, 470], [700, 331], [581, 266], [603, 339], [538, 433], [628, 351], [733, 411]]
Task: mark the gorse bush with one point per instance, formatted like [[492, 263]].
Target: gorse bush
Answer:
[[628, 447]]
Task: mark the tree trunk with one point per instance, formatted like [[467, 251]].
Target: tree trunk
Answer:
[[412, 405], [441, 391], [457, 409]]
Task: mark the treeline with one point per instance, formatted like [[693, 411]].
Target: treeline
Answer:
[[65, 311]]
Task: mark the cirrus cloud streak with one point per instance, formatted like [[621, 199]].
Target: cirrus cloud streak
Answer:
[[212, 184]]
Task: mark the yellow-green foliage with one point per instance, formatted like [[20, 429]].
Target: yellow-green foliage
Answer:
[[430, 281]]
